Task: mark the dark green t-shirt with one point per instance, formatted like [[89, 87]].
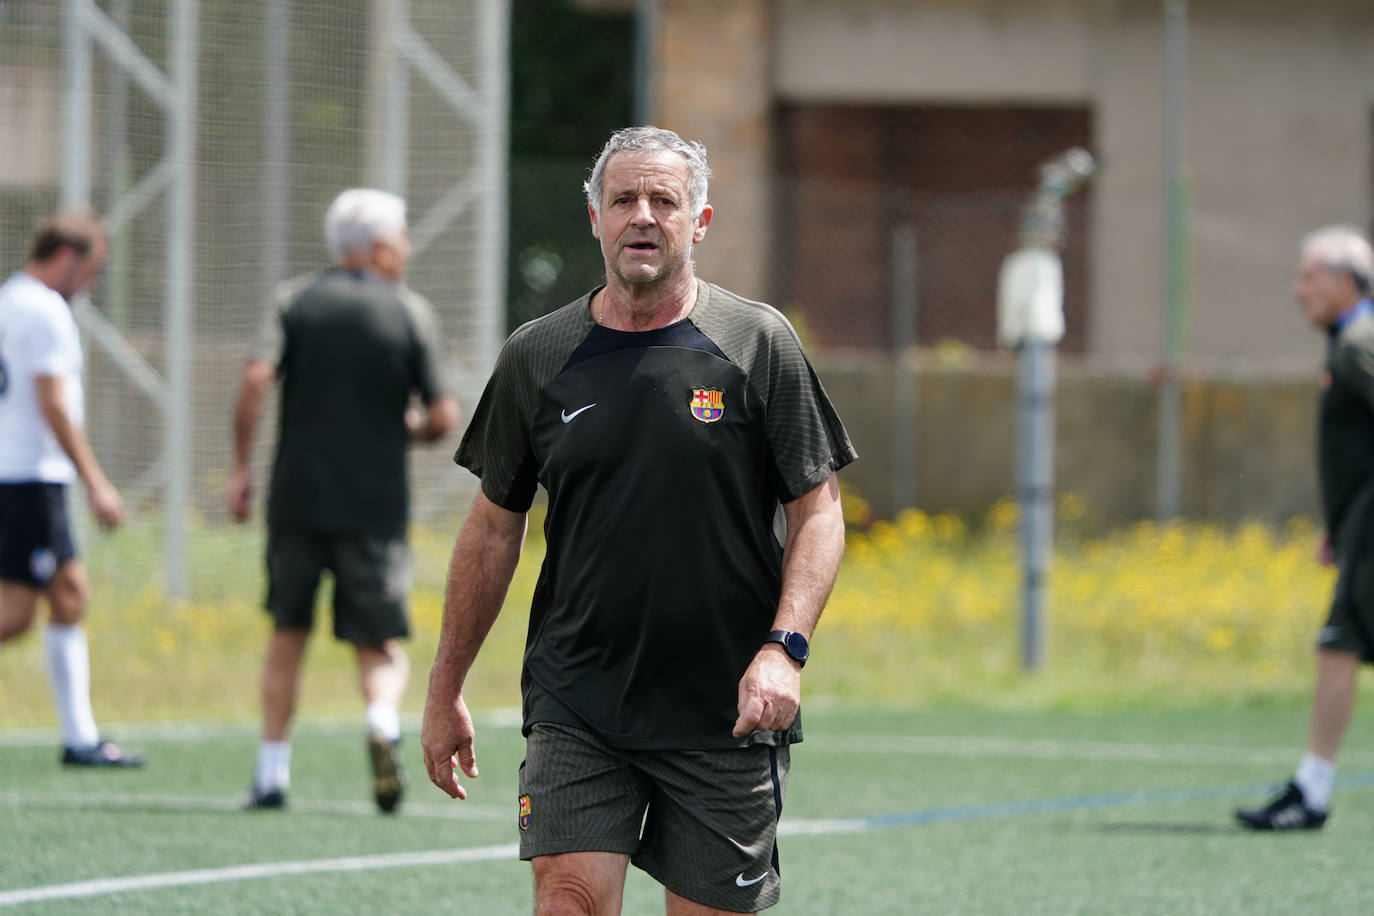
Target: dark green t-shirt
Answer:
[[349, 348], [665, 455]]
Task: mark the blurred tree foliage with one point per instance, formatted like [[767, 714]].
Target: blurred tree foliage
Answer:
[[570, 87]]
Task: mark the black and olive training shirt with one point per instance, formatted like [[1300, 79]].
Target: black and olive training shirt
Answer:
[[665, 455], [350, 348], [1345, 428]]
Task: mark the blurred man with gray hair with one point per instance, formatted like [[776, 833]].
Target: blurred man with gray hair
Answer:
[[1333, 286], [351, 346]]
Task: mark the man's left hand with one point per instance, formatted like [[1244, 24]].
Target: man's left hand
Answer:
[[769, 692]]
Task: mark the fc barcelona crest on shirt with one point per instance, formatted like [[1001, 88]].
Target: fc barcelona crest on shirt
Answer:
[[708, 404], [524, 812]]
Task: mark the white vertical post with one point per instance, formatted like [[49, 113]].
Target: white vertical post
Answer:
[[396, 109], [181, 152], [76, 158], [490, 320], [76, 151]]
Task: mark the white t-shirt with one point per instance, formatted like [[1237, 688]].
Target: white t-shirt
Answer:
[[37, 338]]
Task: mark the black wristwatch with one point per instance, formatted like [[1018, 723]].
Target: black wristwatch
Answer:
[[793, 643]]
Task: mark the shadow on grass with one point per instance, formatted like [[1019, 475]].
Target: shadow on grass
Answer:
[[1156, 828]]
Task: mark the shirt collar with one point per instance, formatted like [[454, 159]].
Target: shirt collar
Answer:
[[1363, 307]]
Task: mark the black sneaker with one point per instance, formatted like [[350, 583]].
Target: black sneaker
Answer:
[[1288, 811], [102, 754], [389, 778], [269, 800]]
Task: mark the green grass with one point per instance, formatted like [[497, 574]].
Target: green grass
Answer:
[[1081, 853], [1180, 662]]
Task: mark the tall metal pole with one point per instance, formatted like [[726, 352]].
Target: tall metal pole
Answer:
[[1037, 393], [1169, 466], [645, 66], [904, 400], [1031, 317], [181, 226]]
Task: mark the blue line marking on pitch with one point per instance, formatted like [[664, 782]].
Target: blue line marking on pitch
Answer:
[[1081, 802]]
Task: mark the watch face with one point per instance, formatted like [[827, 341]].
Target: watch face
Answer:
[[797, 647]]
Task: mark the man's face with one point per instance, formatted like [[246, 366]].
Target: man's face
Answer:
[[1323, 294], [77, 272], [645, 223], [391, 258]]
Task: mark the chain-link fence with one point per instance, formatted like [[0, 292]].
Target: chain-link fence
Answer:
[[212, 138]]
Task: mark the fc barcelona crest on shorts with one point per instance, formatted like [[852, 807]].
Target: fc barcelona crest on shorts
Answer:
[[708, 404], [524, 812]]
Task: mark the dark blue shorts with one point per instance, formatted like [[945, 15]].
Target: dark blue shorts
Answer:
[[35, 537]]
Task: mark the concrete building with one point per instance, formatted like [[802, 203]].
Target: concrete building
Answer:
[[829, 119]]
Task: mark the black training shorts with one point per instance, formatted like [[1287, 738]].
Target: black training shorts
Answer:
[[372, 579], [1350, 625], [35, 536], [712, 815]]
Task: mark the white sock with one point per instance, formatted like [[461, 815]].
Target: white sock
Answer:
[[384, 720], [69, 672], [274, 766], [1316, 778]]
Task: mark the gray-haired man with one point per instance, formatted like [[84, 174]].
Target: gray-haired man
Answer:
[[668, 420], [351, 345], [1332, 287]]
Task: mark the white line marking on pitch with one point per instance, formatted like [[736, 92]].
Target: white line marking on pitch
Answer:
[[102, 886], [133, 801], [1050, 749], [193, 730], [929, 745]]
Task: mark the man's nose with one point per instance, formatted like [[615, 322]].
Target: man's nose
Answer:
[[643, 214]]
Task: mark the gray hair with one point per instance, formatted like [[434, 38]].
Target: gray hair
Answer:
[[653, 139], [360, 216], [1342, 249]]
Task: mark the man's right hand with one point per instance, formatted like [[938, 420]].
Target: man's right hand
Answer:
[[447, 741], [1325, 555], [239, 495], [105, 503]]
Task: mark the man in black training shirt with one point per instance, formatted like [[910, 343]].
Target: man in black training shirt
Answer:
[[668, 420], [350, 345], [1333, 287]]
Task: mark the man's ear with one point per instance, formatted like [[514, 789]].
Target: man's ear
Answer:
[[591, 214], [704, 220]]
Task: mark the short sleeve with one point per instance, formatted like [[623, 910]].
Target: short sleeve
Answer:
[[269, 340], [46, 341], [807, 440], [1353, 364], [496, 445], [431, 356]]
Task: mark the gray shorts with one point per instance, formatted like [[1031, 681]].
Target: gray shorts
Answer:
[[372, 578], [710, 833]]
